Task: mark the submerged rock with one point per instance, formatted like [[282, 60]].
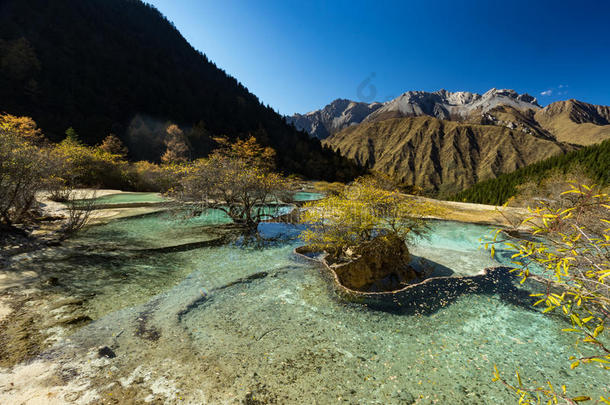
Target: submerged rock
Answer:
[[74, 319], [107, 352]]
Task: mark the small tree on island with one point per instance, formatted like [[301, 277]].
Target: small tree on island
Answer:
[[360, 213], [236, 179]]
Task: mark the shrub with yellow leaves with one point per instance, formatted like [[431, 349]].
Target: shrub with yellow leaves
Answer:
[[360, 212], [24, 126], [23, 171], [236, 179], [570, 256], [82, 165]]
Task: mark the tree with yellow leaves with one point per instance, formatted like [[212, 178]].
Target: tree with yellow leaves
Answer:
[[236, 179], [24, 126], [113, 146], [361, 212], [570, 257], [23, 168], [247, 150], [78, 164], [177, 150]]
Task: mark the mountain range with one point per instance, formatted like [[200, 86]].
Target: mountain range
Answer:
[[446, 141], [441, 104]]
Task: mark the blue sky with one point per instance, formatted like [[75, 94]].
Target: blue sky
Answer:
[[298, 56]]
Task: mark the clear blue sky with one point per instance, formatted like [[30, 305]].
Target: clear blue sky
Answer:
[[298, 56]]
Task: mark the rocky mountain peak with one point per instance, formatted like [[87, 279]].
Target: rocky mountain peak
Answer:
[[458, 97], [494, 93], [443, 104], [448, 105], [578, 112], [335, 116]]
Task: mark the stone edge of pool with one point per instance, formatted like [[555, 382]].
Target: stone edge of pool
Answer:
[[433, 284]]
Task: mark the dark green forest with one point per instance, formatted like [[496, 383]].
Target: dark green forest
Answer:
[[594, 159], [119, 66]]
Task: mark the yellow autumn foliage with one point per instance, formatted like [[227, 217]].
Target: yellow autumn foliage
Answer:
[[571, 258], [358, 213], [236, 179]]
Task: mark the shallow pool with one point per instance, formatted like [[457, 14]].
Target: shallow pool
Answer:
[[307, 196], [453, 248], [125, 198], [248, 320]]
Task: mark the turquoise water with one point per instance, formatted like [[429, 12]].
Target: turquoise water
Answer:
[[123, 198], [160, 230], [453, 248], [307, 196], [156, 230], [250, 319], [134, 197]]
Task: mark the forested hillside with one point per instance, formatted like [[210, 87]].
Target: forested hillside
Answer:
[[594, 159], [118, 66]]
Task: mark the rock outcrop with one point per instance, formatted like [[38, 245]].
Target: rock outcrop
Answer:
[[334, 117], [381, 264]]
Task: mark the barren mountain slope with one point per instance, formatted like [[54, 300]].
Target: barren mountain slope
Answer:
[[512, 118], [575, 122], [445, 156]]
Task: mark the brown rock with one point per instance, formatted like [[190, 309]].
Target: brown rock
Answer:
[[379, 265]]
